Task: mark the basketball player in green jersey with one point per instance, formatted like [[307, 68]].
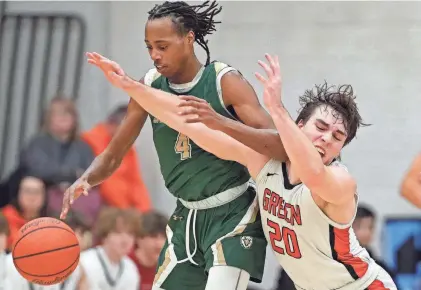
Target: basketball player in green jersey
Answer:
[[214, 238]]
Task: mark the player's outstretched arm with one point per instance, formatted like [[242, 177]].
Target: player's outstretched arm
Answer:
[[165, 107], [411, 184], [108, 161], [258, 131], [332, 183]]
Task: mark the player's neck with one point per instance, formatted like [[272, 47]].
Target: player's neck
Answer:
[[191, 68], [112, 255], [143, 259]]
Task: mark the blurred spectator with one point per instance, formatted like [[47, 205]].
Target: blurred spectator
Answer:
[[4, 233], [57, 155], [364, 228], [148, 247], [125, 187], [30, 203], [107, 266]]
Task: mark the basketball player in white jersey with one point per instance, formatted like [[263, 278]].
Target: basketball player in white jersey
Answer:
[[411, 183], [307, 202], [107, 267]]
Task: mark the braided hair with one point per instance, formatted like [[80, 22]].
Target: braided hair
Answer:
[[196, 18]]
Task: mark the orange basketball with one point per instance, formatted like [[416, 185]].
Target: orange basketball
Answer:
[[46, 251]]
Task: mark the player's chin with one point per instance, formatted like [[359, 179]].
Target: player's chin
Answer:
[[165, 71], [326, 160]]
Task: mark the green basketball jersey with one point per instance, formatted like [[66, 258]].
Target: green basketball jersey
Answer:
[[190, 172]]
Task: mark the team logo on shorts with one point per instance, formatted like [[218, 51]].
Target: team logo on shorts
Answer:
[[246, 242]]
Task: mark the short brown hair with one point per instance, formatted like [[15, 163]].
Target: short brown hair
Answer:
[[153, 224], [340, 98], [113, 219], [4, 225]]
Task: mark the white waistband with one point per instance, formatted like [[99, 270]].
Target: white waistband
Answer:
[[218, 199]]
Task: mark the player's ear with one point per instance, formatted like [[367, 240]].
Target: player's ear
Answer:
[[300, 124], [190, 37]]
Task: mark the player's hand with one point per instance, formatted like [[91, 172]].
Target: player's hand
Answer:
[[81, 186], [272, 83], [112, 71], [197, 110]]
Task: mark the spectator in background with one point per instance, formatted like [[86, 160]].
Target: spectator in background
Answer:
[[107, 266], [148, 246], [126, 181], [30, 203], [59, 157], [364, 228]]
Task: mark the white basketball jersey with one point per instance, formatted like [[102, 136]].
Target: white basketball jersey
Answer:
[[104, 275], [316, 252]]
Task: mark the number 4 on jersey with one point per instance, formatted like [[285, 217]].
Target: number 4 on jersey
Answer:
[[290, 240], [183, 147]]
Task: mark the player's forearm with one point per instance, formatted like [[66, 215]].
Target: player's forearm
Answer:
[[164, 106], [264, 141], [301, 152], [101, 168]]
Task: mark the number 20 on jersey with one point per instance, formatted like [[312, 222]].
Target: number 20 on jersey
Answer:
[[287, 235]]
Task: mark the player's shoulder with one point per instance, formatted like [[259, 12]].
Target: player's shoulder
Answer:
[[150, 76], [222, 67], [272, 169]]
